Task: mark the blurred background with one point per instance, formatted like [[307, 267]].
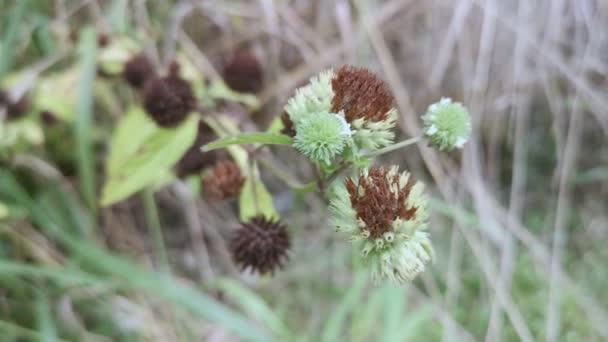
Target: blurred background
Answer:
[[519, 217]]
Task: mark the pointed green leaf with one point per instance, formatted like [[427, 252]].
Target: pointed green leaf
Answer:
[[249, 138], [147, 163], [255, 199]]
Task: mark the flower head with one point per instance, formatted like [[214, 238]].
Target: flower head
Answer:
[[243, 73], [260, 244], [138, 70], [168, 100], [321, 136], [384, 211], [224, 181], [313, 98], [447, 124]]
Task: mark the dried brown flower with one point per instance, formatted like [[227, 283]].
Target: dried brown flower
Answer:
[[288, 128], [138, 70], [260, 244], [360, 94], [48, 118], [379, 200], [243, 73], [195, 160], [168, 100], [224, 181]]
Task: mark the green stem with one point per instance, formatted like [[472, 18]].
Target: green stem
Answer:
[[151, 213], [279, 173], [393, 147]]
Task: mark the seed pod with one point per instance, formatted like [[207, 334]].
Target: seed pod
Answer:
[[168, 100], [243, 73], [138, 70], [260, 245], [195, 160], [224, 181]]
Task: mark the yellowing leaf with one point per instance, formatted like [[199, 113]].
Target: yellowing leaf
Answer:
[[146, 164], [255, 199]]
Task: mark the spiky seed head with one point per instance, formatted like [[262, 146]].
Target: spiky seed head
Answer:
[[385, 213], [321, 136], [224, 180], [243, 73], [138, 70], [168, 100], [447, 124], [260, 245], [195, 160]]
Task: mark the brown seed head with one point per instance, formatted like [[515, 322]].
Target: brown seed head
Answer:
[[168, 100], [195, 160], [224, 181], [376, 204], [260, 244], [243, 73], [360, 94], [138, 70]]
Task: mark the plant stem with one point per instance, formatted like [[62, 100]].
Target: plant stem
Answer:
[[151, 213], [393, 147]]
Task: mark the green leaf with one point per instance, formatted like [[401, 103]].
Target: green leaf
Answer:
[[249, 138], [3, 211], [130, 134], [57, 93], [255, 199], [155, 154]]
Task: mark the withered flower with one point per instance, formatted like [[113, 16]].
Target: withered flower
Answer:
[[360, 94], [243, 72], [224, 180], [261, 245], [195, 160], [385, 213], [168, 100], [138, 70]]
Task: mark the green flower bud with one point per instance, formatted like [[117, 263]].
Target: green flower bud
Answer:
[[447, 124], [313, 98], [385, 214], [321, 136]]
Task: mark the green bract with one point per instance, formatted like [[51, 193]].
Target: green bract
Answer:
[[313, 98], [447, 124], [321, 136]]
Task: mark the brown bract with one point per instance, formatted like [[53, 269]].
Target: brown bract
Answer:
[[260, 244], [288, 128], [138, 70], [168, 100], [243, 73], [195, 160], [224, 181], [374, 202], [360, 94]]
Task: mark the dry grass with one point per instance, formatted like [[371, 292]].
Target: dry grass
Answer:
[[520, 215]]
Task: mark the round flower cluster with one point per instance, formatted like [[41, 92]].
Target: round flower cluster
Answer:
[[385, 213], [353, 107], [447, 124]]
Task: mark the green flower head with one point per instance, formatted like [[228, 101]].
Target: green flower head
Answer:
[[321, 136], [447, 124], [385, 214], [312, 98]]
